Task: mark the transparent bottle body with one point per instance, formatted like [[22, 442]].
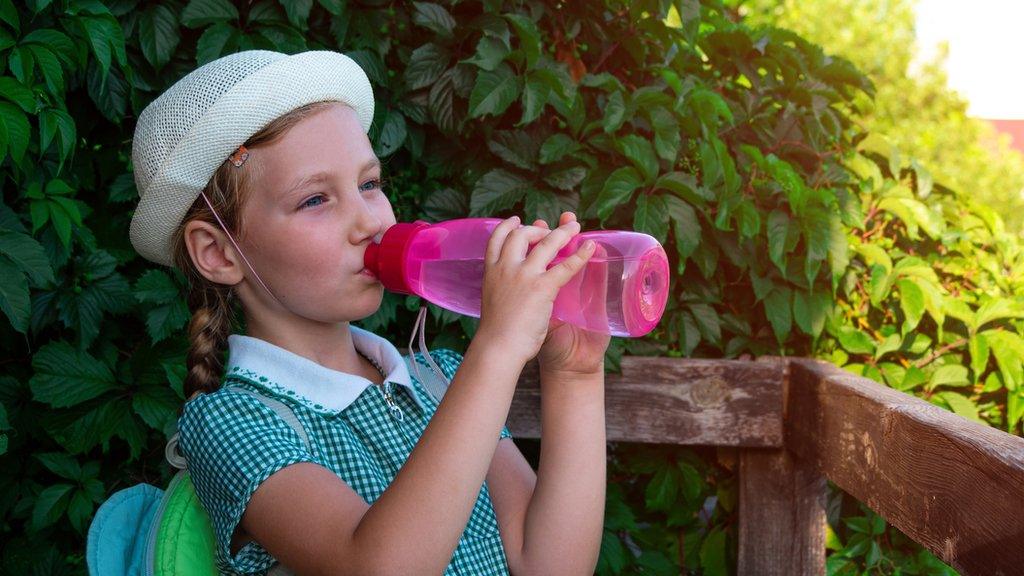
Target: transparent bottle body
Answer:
[[621, 290]]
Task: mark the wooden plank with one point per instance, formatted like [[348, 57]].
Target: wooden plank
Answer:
[[781, 515], [676, 401], [953, 485]]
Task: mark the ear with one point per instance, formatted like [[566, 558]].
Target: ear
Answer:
[[212, 253]]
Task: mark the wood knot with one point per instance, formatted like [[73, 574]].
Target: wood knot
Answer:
[[708, 392]]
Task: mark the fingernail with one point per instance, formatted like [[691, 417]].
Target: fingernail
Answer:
[[588, 245]]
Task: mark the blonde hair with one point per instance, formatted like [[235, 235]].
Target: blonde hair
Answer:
[[212, 305]]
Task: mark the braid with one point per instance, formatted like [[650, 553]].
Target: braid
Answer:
[[208, 330]]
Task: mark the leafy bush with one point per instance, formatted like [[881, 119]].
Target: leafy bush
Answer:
[[788, 232]]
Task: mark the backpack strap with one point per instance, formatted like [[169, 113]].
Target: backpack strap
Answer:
[[435, 384], [177, 460]]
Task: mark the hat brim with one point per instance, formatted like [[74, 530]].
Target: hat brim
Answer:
[[246, 108]]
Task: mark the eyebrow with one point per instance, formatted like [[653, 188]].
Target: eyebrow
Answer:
[[318, 177]]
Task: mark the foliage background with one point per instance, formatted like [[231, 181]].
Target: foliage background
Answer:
[[790, 228], [914, 108]]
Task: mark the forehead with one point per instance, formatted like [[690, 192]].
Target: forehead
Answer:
[[331, 140]]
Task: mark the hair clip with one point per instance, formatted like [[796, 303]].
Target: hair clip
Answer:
[[239, 156]]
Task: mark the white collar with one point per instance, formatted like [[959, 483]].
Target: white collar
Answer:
[[321, 388]]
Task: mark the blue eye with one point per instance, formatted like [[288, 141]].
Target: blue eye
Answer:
[[371, 184], [313, 201]]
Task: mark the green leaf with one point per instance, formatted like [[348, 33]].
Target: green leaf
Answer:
[[557, 147], [79, 510], [529, 38], [158, 34], [515, 147], [392, 134], [614, 557], [14, 132], [911, 303], [641, 154], [685, 226], [298, 12], [950, 375], [810, 311], [434, 17], [426, 65], [28, 255], [618, 190], [212, 44], [164, 320], [65, 376], [49, 505], [535, 95], [881, 282], [614, 112], [713, 554], [567, 179], [18, 93], [707, 322], [158, 406], [1008, 349], [667, 138], [14, 295], [496, 191], [960, 404], [490, 52], [855, 341], [662, 489], [651, 216], [777, 229], [777, 309], [997, 309], [61, 464], [685, 186], [202, 12], [979, 350], [156, 286], [493, 92]]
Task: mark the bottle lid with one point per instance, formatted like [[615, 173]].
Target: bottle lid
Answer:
[[387, 260]]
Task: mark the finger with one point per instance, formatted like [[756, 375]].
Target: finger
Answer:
[[595, 286], [520, 240], [566, 217], [562, 272], [497, 239], [540, 222], [548, 248]]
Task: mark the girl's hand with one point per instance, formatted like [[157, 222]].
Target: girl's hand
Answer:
[[568, 349], [519, 290]]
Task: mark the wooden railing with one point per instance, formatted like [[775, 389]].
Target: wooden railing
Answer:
[[953, 485]]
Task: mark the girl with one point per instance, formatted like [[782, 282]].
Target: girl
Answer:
[[257, 179]]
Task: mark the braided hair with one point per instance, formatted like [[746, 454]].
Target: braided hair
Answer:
[[212, 305]]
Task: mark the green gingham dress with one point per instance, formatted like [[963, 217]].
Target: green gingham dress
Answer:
[[360, 431]]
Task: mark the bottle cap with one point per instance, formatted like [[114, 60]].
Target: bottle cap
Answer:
[[387, 260]]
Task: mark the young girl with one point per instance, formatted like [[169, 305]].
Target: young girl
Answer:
[[257, 179]]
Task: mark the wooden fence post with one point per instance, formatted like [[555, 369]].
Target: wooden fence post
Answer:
[[782, 515]]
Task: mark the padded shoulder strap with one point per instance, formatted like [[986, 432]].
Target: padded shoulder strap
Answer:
[[177, 460], [282, 410], [432, 382]]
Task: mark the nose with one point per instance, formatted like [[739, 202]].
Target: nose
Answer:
[[368, 224]]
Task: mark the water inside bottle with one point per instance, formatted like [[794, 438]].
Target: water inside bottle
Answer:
[[595, 299]]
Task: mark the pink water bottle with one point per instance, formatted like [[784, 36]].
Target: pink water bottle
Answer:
[[621, 291]]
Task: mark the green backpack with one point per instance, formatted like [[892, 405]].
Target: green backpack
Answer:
[[146, 531]]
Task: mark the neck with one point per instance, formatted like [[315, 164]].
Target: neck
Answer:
[[329, 345]]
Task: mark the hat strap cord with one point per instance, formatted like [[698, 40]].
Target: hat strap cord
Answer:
[[235, 244]]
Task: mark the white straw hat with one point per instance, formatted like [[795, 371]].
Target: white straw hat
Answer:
[[184, 135]]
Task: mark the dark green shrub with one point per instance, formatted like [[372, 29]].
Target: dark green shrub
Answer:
[[736, 148]]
